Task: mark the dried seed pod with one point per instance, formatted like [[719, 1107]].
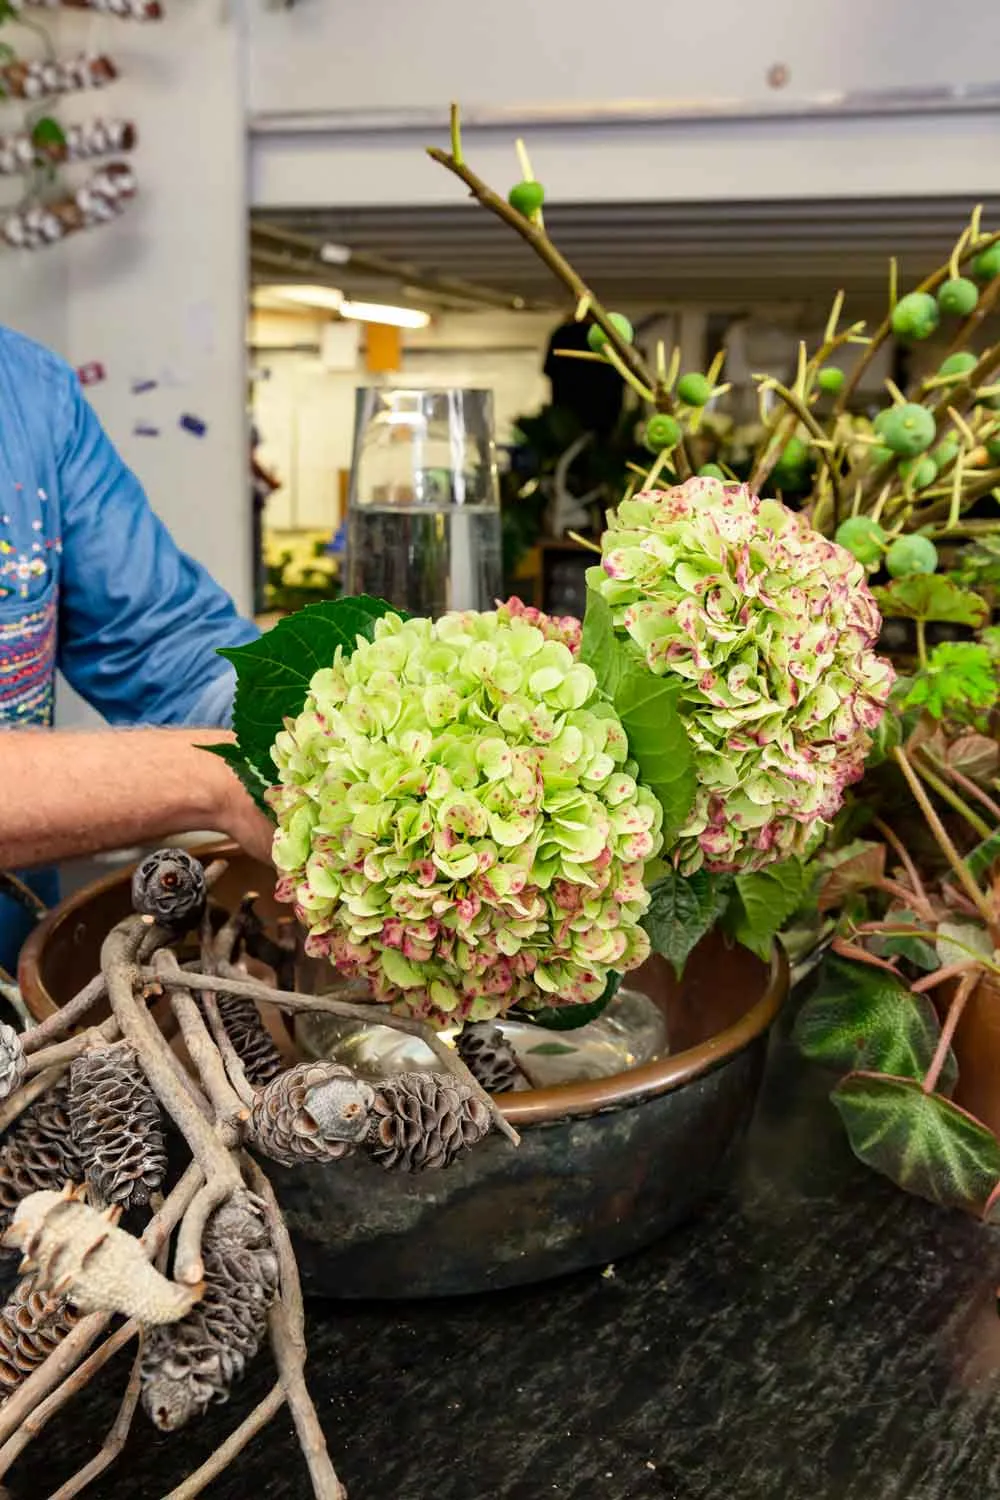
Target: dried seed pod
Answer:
[[252, 1042], [191, 1363], [39, 1151], [12, 1063], [169, 885], [78, 1252], [117, 1126], [421, 1121], [32, 1324], [490, 1059], [314, 1112]]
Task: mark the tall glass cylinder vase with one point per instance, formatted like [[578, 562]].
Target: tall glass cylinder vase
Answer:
[[424, 504]]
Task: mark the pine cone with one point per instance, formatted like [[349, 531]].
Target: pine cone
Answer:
[[196, 1361], [38, 1152], [12, 1062], [489, 1058], [117, 1127], [252, 1042], [170, 887], [421, 1121], [31, 1325], [314, 1112]]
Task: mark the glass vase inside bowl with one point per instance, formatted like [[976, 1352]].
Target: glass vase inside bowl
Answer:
[[630, 1032]]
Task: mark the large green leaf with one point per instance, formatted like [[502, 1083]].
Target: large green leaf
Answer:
[[923, 1142], [682, 910], [657, 740], [764, 902], [647, 707], [861, 1017], [237, 762], [599, 647], [273, 673], [572, 1017], [932, 596]]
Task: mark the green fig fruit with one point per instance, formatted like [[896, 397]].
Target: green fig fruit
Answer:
[[945, 453], [911, 554], [662, 431], [918, 472], [987, 263], [863, 537], [915, 316], [958, 364], [908, 429], [831, 379], [597, 338], [711, 471], [527, 198], [694, 389], [958, 296]]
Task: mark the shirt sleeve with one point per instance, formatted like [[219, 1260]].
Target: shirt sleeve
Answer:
[[140, 622]]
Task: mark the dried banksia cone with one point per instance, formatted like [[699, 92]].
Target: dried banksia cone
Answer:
[[194, 1362], [79, 1253], [32, 1323], [490, 1059], [117, 1127], [170, 887], [12, 1063], [39, 1151], [252, 1042], [421, 1121], [314, 1112]]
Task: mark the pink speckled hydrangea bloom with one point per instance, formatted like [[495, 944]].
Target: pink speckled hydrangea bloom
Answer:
[[771, 627], [459, 821], [565, 628]]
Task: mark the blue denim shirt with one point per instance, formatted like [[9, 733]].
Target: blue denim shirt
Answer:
[[90, 580]]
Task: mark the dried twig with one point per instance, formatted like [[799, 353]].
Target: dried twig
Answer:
[[64, 1019], [287, 1324], [252, 989], [113, 1443], [233, 1445]]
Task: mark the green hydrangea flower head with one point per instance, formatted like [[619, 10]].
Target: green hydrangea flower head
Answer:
[[459, 821], [770, 627]]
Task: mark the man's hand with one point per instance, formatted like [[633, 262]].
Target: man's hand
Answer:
[[67, 794]]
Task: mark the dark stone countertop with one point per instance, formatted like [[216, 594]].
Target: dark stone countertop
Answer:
[[813, 1335]]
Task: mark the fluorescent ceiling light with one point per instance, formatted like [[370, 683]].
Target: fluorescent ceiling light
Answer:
[[376, 312], [335, 255], [328, 298]]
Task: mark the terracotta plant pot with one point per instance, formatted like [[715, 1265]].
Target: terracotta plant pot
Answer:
[[604, 1167]]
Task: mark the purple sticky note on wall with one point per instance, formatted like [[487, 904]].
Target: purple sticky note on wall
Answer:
[[194, 425]]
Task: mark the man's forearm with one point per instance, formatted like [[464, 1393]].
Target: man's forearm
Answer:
[[65, 794]]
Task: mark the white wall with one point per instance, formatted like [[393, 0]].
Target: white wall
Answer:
[[161, 291], [517, 62]]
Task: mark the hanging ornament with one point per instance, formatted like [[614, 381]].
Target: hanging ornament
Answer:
[[23, 152], [129, 10], [101, 198], [39, 79]]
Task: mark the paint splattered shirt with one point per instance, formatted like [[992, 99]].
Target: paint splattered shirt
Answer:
[[90, 580]]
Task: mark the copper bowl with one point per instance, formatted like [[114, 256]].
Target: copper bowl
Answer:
[[604, 1167]]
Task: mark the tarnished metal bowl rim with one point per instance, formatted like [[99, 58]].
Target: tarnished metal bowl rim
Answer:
[[531, 1107]]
